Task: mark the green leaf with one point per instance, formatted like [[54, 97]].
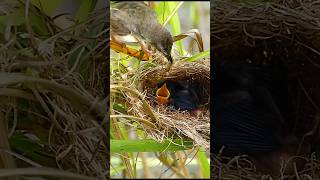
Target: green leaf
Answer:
[[148, 145], [120, 107], [176, 25], [17, 18], [31, 149], [204, 163], [168, 12], [200, 55], [72, 59], [85, 8]]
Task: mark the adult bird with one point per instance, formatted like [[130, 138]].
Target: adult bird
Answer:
[[137, 20]]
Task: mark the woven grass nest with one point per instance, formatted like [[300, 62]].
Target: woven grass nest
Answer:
[[163, 122], [264, 33]]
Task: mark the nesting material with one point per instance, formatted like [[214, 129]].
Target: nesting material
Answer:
[[164, 122], [286, 31], [61, 115]]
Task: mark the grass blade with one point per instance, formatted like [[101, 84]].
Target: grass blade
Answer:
[[203, 54], [148, 145]]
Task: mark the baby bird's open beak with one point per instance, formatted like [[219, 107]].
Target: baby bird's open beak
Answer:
[[163, 95]]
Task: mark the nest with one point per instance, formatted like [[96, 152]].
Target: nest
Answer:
[[163, 122], [268, 32]]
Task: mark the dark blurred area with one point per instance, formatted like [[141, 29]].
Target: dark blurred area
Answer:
[[247, 117]]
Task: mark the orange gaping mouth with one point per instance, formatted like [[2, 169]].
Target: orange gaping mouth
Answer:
[[163, 95]]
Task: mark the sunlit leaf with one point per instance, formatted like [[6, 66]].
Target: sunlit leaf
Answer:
[[148, 145], [204, 163], [199, 56]]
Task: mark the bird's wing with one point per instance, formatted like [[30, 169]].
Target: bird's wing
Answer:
[[119, 22], [137, 8], [131, 17]]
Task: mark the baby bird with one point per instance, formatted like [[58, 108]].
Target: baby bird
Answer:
[[162, 95]]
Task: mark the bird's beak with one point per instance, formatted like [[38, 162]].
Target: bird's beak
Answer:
[[163, 95]]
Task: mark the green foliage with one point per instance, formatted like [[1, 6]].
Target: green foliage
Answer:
[[204, 163], [167, 12], [47, 6], [31, 149], [18, 18], [148, 145], [198, 56], [85, 8]]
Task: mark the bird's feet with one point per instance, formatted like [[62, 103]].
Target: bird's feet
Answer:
[[118, 47], [145, 48], [120, 44]]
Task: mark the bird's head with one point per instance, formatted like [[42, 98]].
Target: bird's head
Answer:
[[163, 42]]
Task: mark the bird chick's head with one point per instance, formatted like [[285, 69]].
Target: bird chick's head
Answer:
[[163, 41], [162, 95]]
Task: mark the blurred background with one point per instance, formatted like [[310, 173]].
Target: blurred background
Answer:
[[196, 15]]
